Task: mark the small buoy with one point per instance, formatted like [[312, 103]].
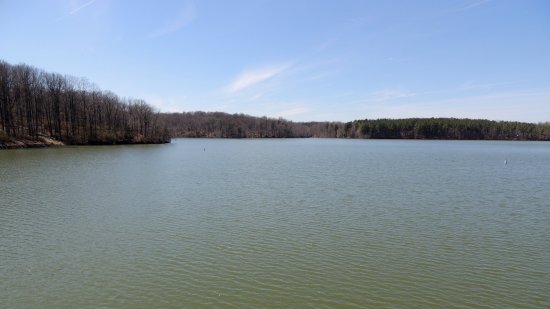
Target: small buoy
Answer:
[[505, 162]]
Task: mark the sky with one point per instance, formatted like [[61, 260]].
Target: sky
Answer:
[[301, 60]]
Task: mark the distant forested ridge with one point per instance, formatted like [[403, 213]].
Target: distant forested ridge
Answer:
[[222, 125], [41, 108], [448, 128], [36, 105]]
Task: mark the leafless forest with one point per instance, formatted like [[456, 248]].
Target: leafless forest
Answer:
[[35, 104]]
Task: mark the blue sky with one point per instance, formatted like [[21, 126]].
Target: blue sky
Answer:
[[300, 60]]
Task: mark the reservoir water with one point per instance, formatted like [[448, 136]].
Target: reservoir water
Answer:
[[290, 223]]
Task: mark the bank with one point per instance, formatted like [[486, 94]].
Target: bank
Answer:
[[45, 141]]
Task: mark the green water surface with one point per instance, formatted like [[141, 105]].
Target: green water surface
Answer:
[[290, 223]]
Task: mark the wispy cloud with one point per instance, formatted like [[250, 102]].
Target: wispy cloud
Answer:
[[338, 32], [76, 10], [185, 17], [473, 5], [81, 7], [257, 96], [253, 77]]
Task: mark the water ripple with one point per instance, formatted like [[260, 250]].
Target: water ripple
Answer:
[[281, 223]]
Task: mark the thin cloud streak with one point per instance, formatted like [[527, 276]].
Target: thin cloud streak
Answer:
[[473, 5], [81, 7], [74, 11], [187, 15], [251, 78]]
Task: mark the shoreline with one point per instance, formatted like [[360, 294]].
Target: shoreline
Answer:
[[20, 143], [46, 142]]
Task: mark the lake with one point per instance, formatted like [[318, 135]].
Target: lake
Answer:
[[299, 223]]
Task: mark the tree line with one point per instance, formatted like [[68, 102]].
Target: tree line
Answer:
[[217, 124], [36, 104], [223, 125], [447, 128]]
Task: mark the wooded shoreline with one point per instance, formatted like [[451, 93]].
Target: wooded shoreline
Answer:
[[222, 125], [36, 104], [42, 142], [41, 109]]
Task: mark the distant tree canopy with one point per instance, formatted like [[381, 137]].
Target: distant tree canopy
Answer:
[[34, 103], [449, 128], [217, 124], [223, 125]]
